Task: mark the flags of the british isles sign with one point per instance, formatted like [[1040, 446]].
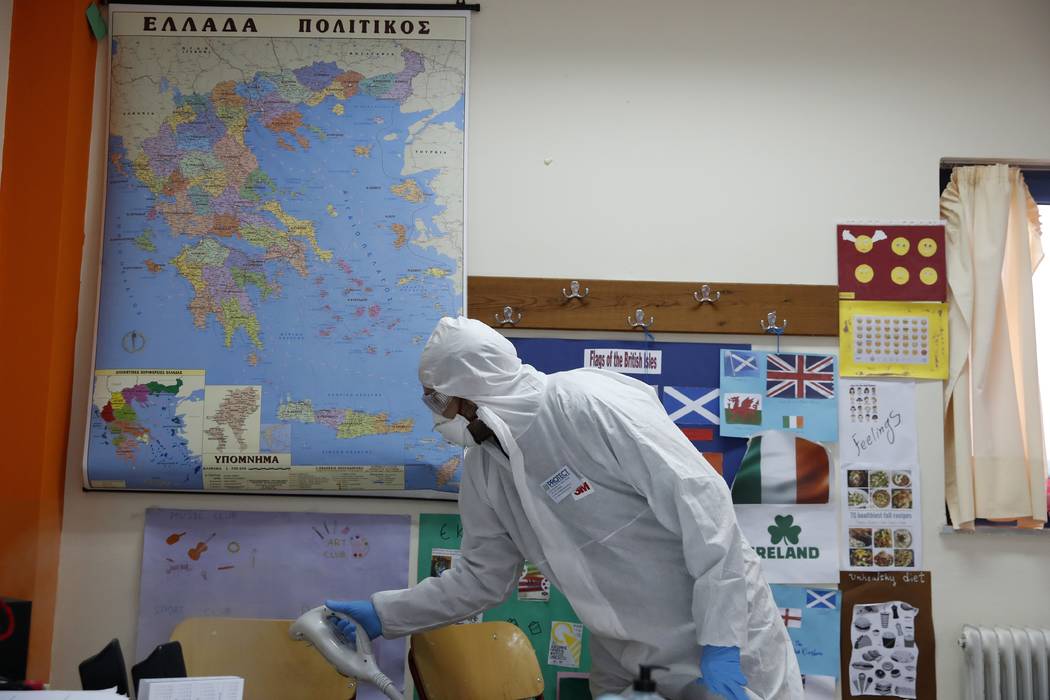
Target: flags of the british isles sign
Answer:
[[781, 391]]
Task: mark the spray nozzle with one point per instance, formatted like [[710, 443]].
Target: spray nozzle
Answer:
[[644, 683]]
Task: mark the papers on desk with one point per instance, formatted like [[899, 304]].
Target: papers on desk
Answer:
[[61, 695], [204, 688]]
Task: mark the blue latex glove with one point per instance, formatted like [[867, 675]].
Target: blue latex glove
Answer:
[[720, 668], [362, 611]]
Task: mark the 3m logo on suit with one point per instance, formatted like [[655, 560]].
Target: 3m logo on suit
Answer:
[[583, 490], [565, 482]]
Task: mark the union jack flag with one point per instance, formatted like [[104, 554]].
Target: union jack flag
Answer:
[[800, 376]]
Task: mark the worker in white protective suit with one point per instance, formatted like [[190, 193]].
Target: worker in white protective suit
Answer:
[[583, 474]]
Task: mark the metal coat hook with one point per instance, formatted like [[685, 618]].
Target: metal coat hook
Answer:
[[574, 291], [704, 296], [508, 317], [639, 320], [770, 326]]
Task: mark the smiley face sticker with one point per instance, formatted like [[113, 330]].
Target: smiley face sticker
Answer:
[[863, 244], [900, 245], [928, 276], [927, 247], [899, 275], [864, 273]]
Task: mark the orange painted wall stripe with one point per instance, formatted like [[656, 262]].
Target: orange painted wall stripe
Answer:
[[42, 198]]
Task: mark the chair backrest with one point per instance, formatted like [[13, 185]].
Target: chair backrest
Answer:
[[105, 670], [165, 661], [273, 666], [487, 661]]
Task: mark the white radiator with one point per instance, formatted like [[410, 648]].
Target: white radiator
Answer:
[[1006, 663]]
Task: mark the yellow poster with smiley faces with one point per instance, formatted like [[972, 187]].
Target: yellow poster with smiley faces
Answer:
[[893, 339]]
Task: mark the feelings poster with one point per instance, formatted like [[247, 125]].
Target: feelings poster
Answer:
[[880, 491], [877, 421]]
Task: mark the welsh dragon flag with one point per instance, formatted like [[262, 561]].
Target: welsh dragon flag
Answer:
[[780, 467]]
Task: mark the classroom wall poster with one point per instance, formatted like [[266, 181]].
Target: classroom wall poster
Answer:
[[893, 339], [884, 657], [557, 636], [782, 498], [778, 391], [686, 376], [883, 519], [811, 616], [881, 488], [796, 543], [221, 563], [877, 422], [892, 262], [887, 640]]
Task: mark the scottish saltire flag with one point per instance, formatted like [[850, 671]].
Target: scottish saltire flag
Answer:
[[800, 376], [695, 411], [794, 392], [690, 405], [779, 467], [821, 598], [740, 363], [816, 635]]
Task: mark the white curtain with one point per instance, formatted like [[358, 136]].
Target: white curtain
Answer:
[[995, 462]]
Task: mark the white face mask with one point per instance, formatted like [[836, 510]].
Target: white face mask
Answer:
[[454, 430]]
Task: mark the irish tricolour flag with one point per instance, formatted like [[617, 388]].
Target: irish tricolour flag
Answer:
[[780, 467]]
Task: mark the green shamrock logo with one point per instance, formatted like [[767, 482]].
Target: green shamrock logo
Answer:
[[784, 529]]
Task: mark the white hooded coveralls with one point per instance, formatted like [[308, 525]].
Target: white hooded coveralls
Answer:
[[651, 559]]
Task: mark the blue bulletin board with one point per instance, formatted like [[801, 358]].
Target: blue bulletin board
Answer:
[[685, 374]]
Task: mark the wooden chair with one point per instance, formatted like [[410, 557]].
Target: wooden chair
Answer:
[[487, 661], [274, 666]]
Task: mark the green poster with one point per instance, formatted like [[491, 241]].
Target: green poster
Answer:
[[534, 617]]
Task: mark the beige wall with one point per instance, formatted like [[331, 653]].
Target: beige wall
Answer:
[[688, 140]]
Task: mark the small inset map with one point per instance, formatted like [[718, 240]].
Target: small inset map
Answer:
[[275, 437], [231, 419], [144, 419]]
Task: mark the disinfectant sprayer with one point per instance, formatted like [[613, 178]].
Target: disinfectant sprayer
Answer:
[[317, 628]]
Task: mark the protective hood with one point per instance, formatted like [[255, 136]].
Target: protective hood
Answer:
[[468, 359]]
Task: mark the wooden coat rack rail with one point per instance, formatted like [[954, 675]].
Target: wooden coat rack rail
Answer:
[[676, 307]]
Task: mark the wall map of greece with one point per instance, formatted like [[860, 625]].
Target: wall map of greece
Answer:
[[284, 225]]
